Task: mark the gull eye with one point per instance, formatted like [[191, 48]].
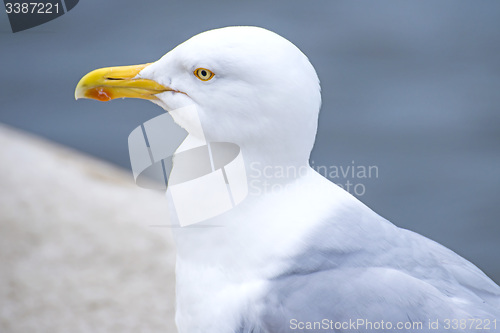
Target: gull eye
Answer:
[[203, 74]]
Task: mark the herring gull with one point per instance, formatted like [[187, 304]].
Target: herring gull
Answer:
[[299, 254]]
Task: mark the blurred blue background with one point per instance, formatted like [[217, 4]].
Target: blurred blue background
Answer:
[[411, 87]]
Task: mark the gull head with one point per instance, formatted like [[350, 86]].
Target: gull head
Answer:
[[249, 85]]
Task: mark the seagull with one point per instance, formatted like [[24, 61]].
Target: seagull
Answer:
[[298, 254]]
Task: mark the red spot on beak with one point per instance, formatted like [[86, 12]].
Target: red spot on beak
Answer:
[[101, 94]]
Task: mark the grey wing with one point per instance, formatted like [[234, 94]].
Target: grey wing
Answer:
[[393, 277]]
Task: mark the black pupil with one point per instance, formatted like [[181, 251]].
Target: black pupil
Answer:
[[203, 73]]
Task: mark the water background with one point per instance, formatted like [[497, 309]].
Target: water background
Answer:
[[411, 87]]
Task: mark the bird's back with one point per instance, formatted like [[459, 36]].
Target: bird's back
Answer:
[[359, 272]]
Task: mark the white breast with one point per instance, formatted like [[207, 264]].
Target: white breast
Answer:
[[223, 264]]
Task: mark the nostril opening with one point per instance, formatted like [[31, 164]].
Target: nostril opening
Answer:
[[113, 78]]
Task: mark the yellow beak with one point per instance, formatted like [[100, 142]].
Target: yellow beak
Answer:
[[109, 83]]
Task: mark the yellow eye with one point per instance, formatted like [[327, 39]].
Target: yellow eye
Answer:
[[203, 74]]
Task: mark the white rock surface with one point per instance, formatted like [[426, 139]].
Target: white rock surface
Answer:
[[77, 252]]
